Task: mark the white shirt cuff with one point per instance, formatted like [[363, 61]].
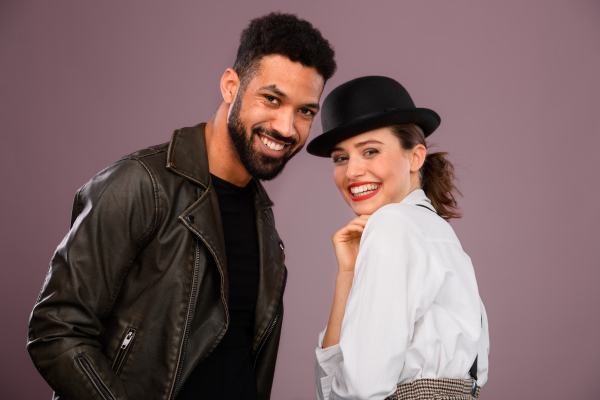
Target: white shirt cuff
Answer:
[[328, 358], [324, 383]]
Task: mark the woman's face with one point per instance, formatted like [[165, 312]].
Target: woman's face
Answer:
[[372, 170]]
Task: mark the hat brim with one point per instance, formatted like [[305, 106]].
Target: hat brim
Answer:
[[428, 120]]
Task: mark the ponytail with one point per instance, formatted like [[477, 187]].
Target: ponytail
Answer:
[[437, 176], [437, 173]]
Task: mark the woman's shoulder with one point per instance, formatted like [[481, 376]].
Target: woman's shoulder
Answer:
[[401, 219], [392, 221]]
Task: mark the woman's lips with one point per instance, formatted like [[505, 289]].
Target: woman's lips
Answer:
[[365, 196]]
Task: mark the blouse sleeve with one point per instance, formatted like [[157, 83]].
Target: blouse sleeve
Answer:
[[393, 287]]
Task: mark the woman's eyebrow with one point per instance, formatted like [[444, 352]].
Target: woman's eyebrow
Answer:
[[357, 145]]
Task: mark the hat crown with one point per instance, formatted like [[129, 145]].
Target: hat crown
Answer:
[[361, 98]]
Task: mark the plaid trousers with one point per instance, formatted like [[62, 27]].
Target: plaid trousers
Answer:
[[436, 389]]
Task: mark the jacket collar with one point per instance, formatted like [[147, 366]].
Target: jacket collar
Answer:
[[187, 156]]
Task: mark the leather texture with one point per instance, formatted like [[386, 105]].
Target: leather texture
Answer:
[[145, 254]]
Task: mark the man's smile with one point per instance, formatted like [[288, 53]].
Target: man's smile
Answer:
[[273, 147]]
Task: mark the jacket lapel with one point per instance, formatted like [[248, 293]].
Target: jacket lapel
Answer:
[[272, 270], [188, 157]]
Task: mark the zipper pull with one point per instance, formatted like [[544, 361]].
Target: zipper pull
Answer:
[[127, 340]]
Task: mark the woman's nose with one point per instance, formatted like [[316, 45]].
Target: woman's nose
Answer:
[[355, 169]]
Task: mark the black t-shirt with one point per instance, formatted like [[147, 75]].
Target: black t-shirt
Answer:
[[227, 373]]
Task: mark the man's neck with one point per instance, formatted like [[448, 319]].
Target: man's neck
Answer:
[[223, 160]]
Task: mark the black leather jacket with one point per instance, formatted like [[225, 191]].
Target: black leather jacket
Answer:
[[136, 294]]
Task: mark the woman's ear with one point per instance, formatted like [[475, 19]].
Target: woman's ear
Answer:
[[417, 157], [230, 84]]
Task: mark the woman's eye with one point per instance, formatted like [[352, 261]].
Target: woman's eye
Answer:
[[339, 159], [370, 152]]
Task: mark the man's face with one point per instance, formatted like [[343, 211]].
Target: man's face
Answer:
[[270, 119]]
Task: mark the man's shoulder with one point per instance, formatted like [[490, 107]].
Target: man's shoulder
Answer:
[[139, 166], [152, 159], [160, 149]]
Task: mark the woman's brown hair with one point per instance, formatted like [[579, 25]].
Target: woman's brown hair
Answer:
[[437, 173]]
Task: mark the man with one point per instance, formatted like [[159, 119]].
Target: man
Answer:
[[169, 284]]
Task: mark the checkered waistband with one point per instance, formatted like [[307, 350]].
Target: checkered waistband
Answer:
[[437, 389]]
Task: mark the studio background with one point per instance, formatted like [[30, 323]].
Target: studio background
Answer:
[[515, 82]]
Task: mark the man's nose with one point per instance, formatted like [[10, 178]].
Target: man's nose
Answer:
[[284, 123], [355, 168]]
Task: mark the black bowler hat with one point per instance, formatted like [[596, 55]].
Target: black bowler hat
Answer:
[[364, 104]]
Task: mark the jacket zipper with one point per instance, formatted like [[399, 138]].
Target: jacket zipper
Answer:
[[91, 373], [123, 350], [271, 325], [188, 317], [188, 322]]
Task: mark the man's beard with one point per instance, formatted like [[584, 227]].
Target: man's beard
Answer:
[[260, 166]]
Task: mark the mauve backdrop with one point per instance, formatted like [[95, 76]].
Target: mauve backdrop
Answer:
[[515, 82]]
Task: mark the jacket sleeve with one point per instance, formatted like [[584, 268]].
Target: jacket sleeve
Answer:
[[113, 215]]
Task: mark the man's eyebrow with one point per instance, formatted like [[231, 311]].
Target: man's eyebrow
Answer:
[[274, 89], [313, 105]]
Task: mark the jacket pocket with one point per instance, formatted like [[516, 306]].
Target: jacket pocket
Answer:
[[123, 350], [88, 369]]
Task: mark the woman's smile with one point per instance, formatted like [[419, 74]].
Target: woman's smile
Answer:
[[363, 190]]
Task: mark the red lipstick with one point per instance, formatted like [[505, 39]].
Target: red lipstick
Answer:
[[366, 196]]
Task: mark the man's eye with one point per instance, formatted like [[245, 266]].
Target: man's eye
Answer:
[[272, 99], [307, 111]]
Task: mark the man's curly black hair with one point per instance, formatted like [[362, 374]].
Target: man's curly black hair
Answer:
[[286, 35]]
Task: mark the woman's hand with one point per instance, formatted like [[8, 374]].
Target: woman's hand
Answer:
[[346, 242]]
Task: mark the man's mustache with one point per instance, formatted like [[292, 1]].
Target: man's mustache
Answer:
[[274, 134]]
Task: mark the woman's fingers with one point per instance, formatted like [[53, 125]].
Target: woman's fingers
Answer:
[[346, 243], [356, 225], [359, 221]]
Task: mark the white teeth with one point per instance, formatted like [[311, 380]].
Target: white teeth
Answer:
[[272, 145], [362, 190]]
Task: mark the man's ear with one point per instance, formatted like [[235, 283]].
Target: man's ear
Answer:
[[230, 84], [417, 157]]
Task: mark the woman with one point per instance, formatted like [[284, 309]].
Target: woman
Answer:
[[407, 321]]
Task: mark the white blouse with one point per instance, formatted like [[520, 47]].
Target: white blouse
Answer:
[[413, 312]]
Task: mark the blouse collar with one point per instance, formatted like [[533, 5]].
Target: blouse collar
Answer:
[[418, 197]]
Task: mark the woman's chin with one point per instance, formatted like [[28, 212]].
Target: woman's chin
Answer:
[[366, 208]]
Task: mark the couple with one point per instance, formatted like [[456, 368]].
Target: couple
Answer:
[[169, 284]]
